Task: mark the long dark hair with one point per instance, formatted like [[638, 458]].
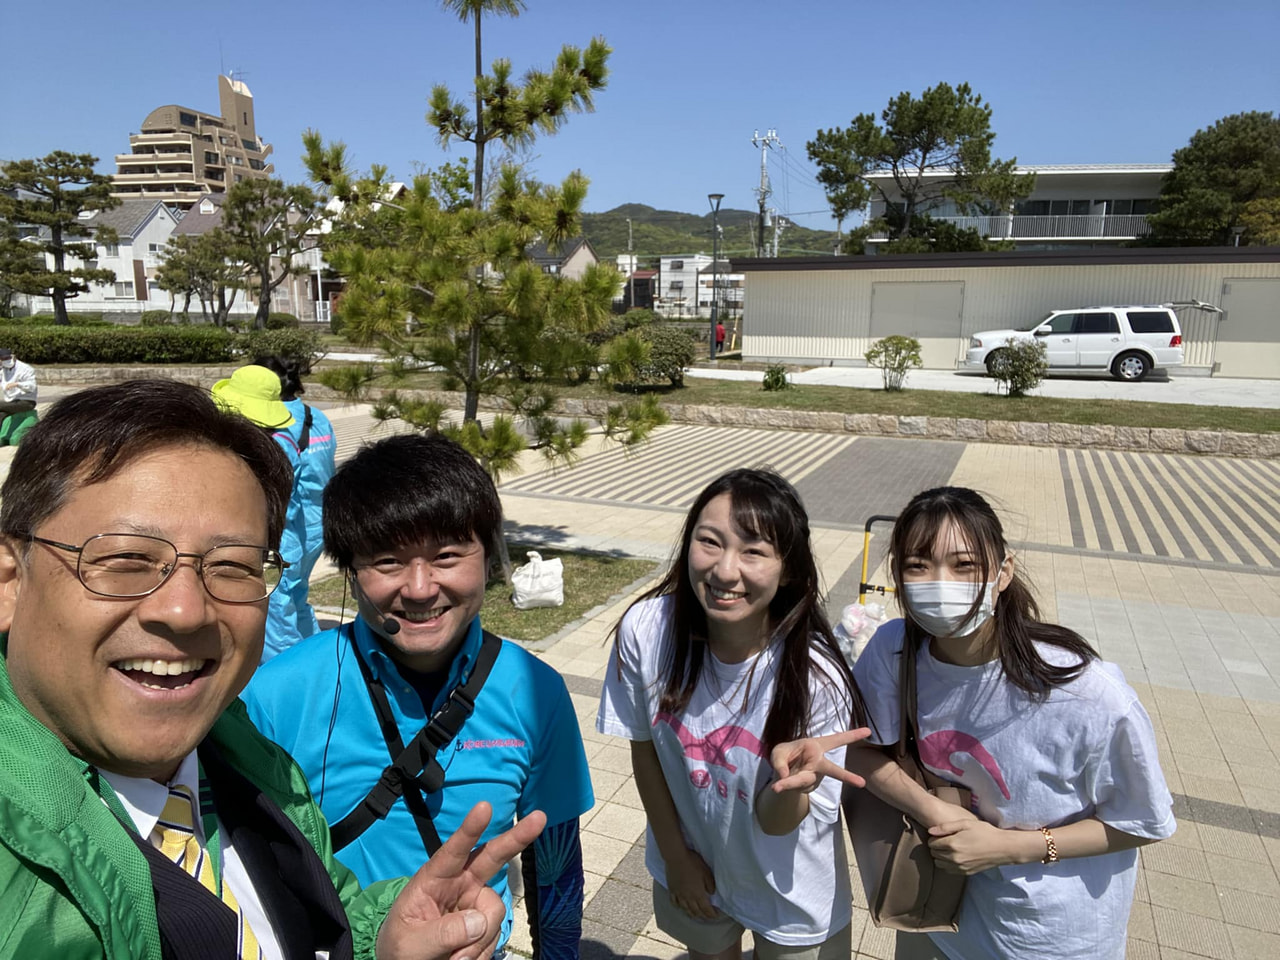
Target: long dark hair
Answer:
[[766, 506], [1018, 626]]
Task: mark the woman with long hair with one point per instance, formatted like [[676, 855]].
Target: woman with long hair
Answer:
[[732, 690], [1055, 746]]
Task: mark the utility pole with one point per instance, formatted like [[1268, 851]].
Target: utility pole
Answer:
[[631, 270], [779, 224], [763, 191], [714, 199]]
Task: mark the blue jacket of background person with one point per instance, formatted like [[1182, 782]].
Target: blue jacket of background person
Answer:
[[289, 614]]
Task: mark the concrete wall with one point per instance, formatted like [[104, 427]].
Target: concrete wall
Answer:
[[824, 316]]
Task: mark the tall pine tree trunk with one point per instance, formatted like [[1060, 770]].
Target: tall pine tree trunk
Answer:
[[471, 408], [59, 294]]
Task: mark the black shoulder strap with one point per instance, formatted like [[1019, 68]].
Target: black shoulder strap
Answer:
[[304, 441], [414, 770]]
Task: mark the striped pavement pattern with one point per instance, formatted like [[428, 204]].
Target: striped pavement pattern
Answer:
[[1221, 510], [671, 469], [354, 426]]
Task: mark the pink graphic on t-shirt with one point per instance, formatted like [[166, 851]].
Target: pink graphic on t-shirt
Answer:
[[713, 749], [936, 750]]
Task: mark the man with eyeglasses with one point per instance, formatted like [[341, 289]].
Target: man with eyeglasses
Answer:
[[141, 814], [405, 717]]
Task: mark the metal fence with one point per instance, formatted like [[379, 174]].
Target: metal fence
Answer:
[[1063, 227]]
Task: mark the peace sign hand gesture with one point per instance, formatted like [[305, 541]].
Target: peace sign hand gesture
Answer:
[[801, 764]]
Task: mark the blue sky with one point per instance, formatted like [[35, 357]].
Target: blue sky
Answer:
[[1082, 82]]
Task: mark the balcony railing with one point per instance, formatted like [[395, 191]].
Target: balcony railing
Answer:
[[1069, 227]]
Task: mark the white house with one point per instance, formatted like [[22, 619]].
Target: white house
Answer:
[[143, 227], [677, 290], [1072, 205]]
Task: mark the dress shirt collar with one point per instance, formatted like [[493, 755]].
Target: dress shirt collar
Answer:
[[144, 800]]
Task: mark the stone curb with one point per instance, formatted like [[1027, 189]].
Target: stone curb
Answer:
[[1223, 443]]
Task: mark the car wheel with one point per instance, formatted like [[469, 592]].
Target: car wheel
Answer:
[[992, 361], [1130, 366]]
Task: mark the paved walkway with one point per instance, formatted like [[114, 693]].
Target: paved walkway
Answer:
[[1202, 391], [1169, 564], [1197, 636]]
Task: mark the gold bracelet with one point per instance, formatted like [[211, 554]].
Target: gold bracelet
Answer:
[[1051, 847]]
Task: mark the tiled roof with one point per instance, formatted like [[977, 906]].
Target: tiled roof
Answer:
[[196, 223], [539, 253], [126, 219]]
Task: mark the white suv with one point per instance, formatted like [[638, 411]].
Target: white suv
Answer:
[[1129, 341]]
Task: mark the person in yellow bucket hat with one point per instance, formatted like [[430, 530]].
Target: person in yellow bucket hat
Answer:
[[254, 393]]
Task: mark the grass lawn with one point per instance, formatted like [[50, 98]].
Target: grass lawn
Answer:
[[931, 403], [589, 580]]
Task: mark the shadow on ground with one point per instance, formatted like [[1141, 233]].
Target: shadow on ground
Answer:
[[543, 535]]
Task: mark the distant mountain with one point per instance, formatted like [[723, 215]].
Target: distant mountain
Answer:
[[658, 233]]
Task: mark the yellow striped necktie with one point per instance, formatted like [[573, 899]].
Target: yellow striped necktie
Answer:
[[175, 837]]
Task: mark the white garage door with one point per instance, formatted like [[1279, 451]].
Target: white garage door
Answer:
[[929, 311], [1249, 330]]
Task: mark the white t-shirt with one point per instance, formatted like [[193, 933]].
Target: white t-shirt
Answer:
[[792, 889], [144, 801], [1087, 751]]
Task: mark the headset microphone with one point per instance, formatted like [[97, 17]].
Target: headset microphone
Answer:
[[390, 626]]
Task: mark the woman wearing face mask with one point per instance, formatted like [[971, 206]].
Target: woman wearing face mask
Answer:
[[1058, 752]]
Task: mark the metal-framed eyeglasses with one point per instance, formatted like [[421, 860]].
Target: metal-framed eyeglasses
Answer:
[[131, 565]]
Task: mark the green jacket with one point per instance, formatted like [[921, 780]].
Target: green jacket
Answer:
[[73, 885]]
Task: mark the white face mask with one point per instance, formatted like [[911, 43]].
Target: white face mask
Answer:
[[8, 364], [941, 607]]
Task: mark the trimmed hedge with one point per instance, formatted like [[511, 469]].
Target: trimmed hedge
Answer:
[[49, 320], [171, 343], [167, 344]]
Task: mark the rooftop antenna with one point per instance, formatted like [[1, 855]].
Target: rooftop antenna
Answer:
[[222, 64]]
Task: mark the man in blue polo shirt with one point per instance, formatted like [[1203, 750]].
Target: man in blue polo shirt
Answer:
[[404, 718]]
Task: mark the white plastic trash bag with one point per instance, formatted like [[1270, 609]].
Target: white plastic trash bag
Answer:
[[538, 583]]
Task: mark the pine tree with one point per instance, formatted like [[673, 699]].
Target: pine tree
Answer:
[[1221, 183], [945, 128], [265, 223], [457, 261], [36, 192]]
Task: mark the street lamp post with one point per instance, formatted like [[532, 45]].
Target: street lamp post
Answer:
[[714, 199]]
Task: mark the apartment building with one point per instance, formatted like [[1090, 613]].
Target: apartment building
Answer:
[[183, 154], [1073, 206]]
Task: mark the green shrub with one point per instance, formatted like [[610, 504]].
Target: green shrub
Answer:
[[48, 319], [617, 326], [775, 378], [301, 345], [895, 356], [112, 344], [157, 318], [1018, 366], [566, 356], [672, 351], [626, 358], [282, 321]]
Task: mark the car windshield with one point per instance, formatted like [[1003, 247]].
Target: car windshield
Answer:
[[1036, 324]]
